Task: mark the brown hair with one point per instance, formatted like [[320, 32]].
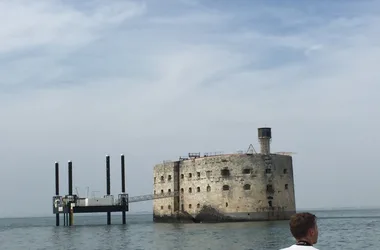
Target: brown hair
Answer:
[[300, 223]]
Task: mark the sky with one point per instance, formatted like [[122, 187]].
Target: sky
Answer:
[[155, 80]]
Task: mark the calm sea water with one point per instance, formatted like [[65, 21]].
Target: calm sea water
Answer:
[[355, 229]]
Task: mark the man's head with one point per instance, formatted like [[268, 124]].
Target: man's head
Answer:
[[303, 226]]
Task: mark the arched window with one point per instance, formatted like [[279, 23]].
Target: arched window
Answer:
[[198, 205], [208, 188], [162, 178], [181, 190], [198, 189], [247, 187], [190, 190], [169, 191]]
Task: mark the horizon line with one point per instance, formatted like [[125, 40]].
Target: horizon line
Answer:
[[151, 212]]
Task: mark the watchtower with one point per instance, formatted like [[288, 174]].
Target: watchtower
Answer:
[[265, 137]]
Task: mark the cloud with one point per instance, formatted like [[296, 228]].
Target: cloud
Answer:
[[52, 23], [79, 81], [41, 34]]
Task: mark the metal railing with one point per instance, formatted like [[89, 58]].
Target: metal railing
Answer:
[[148, 197]]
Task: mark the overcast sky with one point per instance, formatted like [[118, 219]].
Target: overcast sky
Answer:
[[156, 80]]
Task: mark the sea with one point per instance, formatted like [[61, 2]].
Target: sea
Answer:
[[338, 229]]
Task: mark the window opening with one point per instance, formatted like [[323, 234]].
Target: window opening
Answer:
[[246, 171], [225, 172]]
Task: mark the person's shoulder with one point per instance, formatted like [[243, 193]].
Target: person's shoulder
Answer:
[[287, 248], [294, 247]]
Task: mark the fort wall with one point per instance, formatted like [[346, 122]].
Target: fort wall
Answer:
[[163, 182], [227, 187]]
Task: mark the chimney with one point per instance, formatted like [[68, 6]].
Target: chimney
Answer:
[[265, 137]]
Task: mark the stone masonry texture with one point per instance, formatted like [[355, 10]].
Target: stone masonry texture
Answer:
[[230, 187]]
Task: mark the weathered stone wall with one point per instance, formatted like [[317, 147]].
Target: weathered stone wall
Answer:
[[234, 187], [163, 182], [283, 182]]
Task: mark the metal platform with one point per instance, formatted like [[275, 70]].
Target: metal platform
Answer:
[[70, 204], [74, 204]]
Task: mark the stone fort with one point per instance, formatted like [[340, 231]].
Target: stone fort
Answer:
[[247, 186]]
